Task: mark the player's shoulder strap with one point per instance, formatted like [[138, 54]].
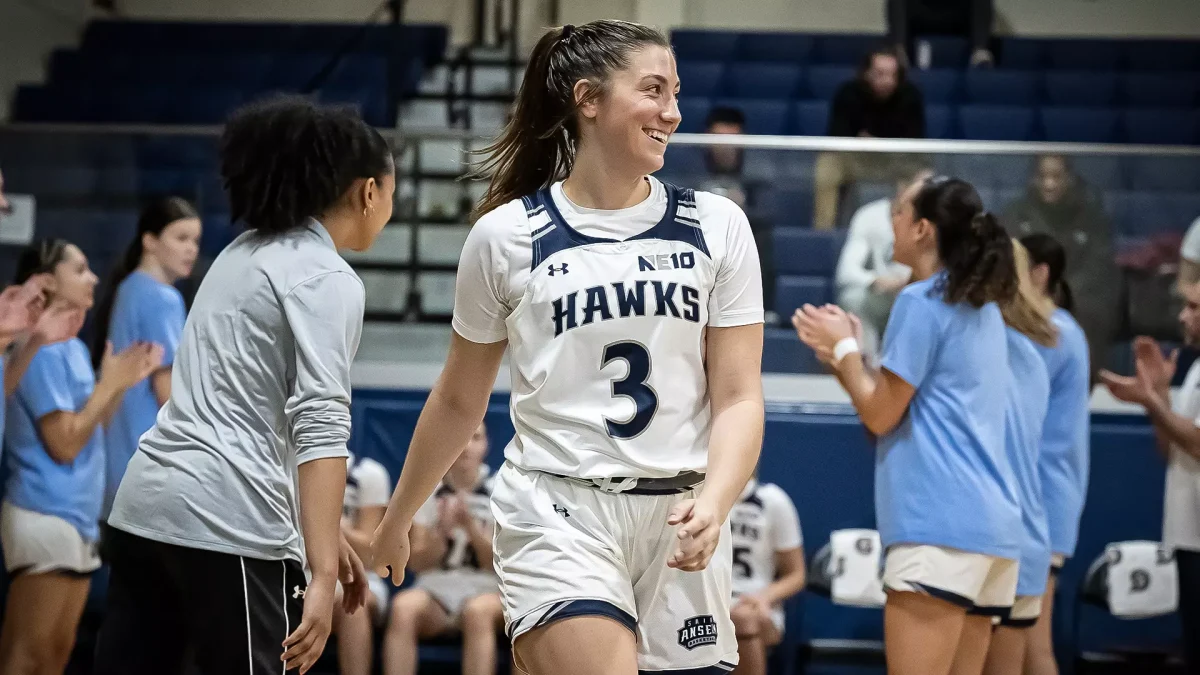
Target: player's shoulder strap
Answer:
[[550, 233]]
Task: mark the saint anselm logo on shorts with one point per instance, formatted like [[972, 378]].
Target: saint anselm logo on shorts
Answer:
[[698, 631]]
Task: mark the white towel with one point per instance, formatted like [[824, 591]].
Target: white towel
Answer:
[[854, 568], [1142, 580]]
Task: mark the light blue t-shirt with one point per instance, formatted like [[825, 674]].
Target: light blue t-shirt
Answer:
[[1066, 440], [942, 477], [145, 310], [60, 377], [1028, 401]]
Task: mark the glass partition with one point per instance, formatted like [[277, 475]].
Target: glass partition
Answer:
[[1120, 212]]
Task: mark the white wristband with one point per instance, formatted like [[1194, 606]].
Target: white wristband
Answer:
[[843, 348]]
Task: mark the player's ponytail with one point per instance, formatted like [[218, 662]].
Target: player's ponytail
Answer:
[[287, 160], [537, 146], [1045, 250], [1029, 311], [974, 249]]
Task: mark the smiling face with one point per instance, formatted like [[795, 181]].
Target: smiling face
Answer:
[[74, 281], [633, 118]]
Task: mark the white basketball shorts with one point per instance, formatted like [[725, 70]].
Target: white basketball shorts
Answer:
[[37, 543], [563, 549], [983, 584]]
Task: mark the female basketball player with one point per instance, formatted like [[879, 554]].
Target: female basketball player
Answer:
[[55, 458], [633, 311], [944, 497], [141, 304], [1029, 324], [1066, 444], [249, 453]]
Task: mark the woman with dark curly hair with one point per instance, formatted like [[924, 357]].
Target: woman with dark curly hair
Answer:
[[945, 498], [240, 481]]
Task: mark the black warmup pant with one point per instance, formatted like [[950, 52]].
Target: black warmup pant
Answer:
[[1188, 564], [908, 19], [173, 610]]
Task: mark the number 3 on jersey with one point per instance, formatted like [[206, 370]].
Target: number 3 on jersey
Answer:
[[632, 386]]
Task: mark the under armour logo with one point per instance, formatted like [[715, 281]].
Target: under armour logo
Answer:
[[562, 511], [561, 268], [297, 592]]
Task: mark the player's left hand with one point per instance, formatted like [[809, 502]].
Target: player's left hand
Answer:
[[698, 535], [822, 327], [304, 646], [353, 576], [758, 602]]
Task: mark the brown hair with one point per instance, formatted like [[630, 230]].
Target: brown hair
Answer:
[[537, 146], [1029, 312]]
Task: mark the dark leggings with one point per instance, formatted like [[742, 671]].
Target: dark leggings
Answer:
[[909, 18], [1188, 563]]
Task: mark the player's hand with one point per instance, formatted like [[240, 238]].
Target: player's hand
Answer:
[[821, 328], [304, 646], [1152, 364], [758, 602], [131, 365], [20, 306], [1137, 390], [390, 550], [58, 323], [353, 576], [698, 535]]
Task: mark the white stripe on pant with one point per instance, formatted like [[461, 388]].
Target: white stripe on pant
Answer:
[[246, 595]]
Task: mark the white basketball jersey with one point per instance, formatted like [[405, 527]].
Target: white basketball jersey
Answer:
[[763, 522], [607, 334]]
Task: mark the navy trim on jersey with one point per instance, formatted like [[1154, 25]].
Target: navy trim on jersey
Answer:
[[721, 668], [559, 236], [754, 499]]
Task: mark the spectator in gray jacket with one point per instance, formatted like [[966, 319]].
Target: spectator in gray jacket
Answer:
[[1059, 203]]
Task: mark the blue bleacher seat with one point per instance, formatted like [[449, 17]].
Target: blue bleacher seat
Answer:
[[1001, 171], [788, 207], [244, 71], [684, 164], [1022, 54], [784, 47], [1180, 90], [360, 71], [824, 81], [792, 292], [806, 252], [948, 51], [1079, 125], [296, 70], [371, 103], [763, 80], [701, 78], [1164, 173], [1002, 87], [846, 50], [163, 182], [694, 110], [784, 353], [1171, 55], [1160, 126], [1103, 55], [938, 85], [996, 122], [811, 118], [762, 116], [939, 121], [1101, 172], [1073, 87], [1148, 213], [701, 45], [200, 106]]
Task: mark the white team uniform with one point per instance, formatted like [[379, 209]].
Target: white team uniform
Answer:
[[368, 484], [763, 522], [605, 314], [461, 575]]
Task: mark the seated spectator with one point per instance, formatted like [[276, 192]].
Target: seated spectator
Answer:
[[1189, 257], [368, 489], [879, 102], [867, 279], [723, 164], [1057, 202], [768, 568], [455, 591], [968, 18]]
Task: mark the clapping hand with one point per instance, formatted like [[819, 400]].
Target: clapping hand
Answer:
[[821, 328]]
